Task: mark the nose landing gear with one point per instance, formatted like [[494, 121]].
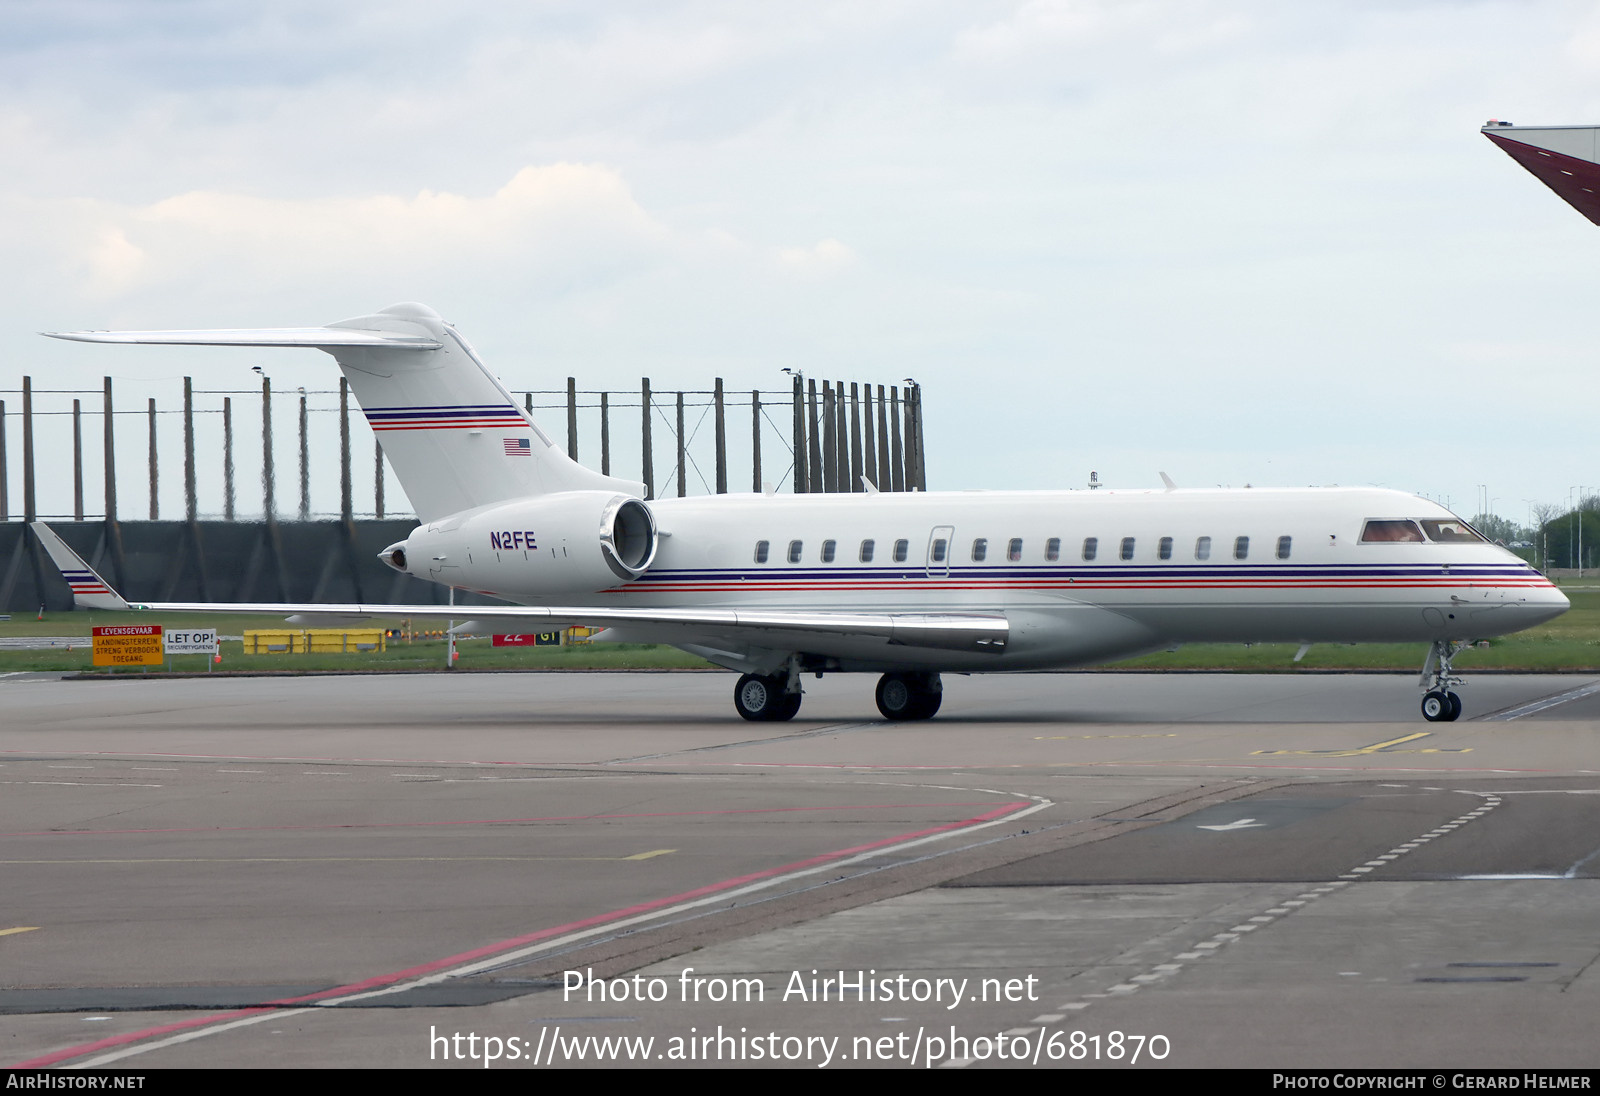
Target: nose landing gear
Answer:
[[1440, 704]]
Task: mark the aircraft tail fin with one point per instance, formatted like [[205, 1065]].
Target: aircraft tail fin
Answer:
[[89, 590], [453, 434]]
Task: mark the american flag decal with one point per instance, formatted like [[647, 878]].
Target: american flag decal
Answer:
[[518, 447]]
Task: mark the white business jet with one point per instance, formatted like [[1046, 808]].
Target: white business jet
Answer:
[[902, 585]]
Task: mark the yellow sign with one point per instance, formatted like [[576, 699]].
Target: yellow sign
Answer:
[[129, 645]]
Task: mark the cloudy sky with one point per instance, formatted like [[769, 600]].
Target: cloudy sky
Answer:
[[1238, 241]]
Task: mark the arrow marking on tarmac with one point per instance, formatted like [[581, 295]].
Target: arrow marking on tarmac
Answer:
[[1241, 824]]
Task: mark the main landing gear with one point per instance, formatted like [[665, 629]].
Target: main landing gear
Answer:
[[1439, 703], [909, 695], [765, 698]]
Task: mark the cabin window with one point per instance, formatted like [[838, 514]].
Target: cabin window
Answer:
[[794, 551], [1164, 548], [1391, 532], [1127, 547], [866, 550], [1014, 549], [1202, 548], [980, 549], [828, 549], [1284, 544], [1450, 532], [762, 548], [1052, 549], [939, 546], [1241, 547], [901, 549], [1091, 546]]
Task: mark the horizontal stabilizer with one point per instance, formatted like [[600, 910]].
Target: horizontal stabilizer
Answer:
[[316, 338]]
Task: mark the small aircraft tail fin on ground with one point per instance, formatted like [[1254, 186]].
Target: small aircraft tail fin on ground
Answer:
[[453, 434], [89, 590]]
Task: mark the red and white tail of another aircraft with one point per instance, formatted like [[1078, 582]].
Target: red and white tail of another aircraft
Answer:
[[901, 585]]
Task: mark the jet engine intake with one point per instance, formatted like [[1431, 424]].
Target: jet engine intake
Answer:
[[562, 543]]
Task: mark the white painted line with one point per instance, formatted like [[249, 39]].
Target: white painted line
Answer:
[[1534, 707]]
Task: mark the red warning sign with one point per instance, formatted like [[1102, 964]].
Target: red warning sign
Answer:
[[128, 645]]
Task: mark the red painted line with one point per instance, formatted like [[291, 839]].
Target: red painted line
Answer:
[[473, 821], [772, 586], [514, 942]]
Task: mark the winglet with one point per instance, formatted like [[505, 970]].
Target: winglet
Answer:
[[89, 590]]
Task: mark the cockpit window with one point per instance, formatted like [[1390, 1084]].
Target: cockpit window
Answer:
[[1391, 532], [1454, 531]]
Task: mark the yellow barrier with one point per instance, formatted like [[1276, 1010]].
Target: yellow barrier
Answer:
[[314, 641]]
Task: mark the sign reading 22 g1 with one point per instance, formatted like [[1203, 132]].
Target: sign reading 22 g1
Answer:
[[128, 645]]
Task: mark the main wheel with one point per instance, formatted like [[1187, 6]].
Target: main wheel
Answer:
[[787, 707], [908, 696], [758, 698], [1436, 707], [1455, 707]]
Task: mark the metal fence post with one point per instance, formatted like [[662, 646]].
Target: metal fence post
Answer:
[[190, 504], [77, 460], [346, 502], [755, 440], [683, 477], [110, 456], [722, 442], [155, 503], [572, 418], [305, 460], [29, 509], [268, 475], [227, 458], [649, 460]]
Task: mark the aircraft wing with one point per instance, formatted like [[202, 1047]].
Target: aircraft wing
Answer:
[[983, 632]]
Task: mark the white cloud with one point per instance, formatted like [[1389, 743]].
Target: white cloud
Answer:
[[555, 222], [821, 258]]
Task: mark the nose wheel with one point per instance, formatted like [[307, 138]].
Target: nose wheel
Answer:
[[1440, 704]]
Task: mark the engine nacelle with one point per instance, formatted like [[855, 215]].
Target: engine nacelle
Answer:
[[570, 542]]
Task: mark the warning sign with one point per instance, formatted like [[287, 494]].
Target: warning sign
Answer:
[[128, 645], [192, 642]]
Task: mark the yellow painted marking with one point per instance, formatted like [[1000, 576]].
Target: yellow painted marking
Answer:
[[1376, 747], [648, 855], [24, 928]]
